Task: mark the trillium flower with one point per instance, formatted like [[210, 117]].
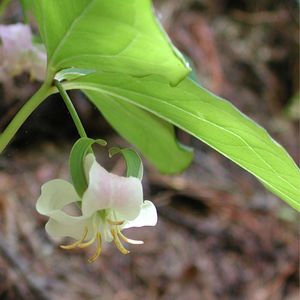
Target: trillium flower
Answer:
[[110, 204]]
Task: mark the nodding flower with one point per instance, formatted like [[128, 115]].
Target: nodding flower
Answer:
[[110, 204]]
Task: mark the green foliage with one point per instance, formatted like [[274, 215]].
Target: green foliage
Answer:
[[127, 41], [116, 52], [209, 118], [113, 36], [153, 136]]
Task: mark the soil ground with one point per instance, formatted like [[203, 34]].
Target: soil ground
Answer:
[[220, 234]]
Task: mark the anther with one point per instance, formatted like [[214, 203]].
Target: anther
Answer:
[[130, 241], [111, 222]]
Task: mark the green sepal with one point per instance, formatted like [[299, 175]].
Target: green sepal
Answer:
[[133, 161], [76, 162]]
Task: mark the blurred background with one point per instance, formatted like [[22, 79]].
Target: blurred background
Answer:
[[220, 234]]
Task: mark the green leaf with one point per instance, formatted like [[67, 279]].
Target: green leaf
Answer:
[[113, 36], [76, 162], [211, 119], [154, 137], [133, 161]]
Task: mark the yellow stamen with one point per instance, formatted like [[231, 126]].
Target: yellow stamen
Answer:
[[118, 243], [130, 241], [74, 245], [98, 251], [90, 242], [111, 222]]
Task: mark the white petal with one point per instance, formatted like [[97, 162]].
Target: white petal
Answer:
[[147, 217], [89, 160], [106, 190], [63, 225], [55, 195]]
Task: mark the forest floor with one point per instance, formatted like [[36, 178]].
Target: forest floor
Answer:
[[220, 234]]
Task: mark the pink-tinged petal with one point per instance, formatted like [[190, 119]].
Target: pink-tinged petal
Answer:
[[18, 54], [147, 217], [55, 194], [16, 39], [106, 190]]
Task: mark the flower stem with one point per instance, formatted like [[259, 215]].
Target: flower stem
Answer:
[[22, 115], [71, 109], [3, 6]]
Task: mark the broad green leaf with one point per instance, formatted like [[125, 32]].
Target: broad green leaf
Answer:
[[154, 137], [211, 119], [113, 36], [76, 162], [133, 161]]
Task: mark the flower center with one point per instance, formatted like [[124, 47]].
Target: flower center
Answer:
[[115, 230], [81, 244]]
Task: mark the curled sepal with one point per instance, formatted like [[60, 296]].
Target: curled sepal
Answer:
[[133, 161], [76, 162]]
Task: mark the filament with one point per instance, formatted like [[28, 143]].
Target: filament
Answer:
[[86, 244], [118, 243], [74, 245], [98, 250], [81, 244]]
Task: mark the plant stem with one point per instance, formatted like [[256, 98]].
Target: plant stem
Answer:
[[71, 109], [24, 11], [22, 115], [3, 6]]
